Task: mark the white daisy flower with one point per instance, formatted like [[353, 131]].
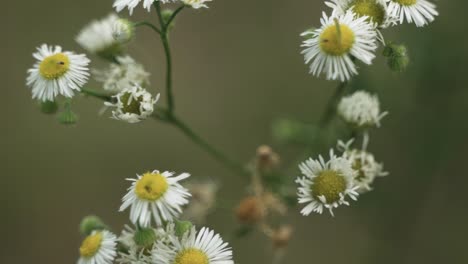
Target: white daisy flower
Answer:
[[361, 109], [204, 247], [325, 184], [157, 194], [57, 72], [196, 3], [419, 12], [133, 104], [123, 74], [97, 37], [330, 49], [375, 10], [119, 5], [364, 163], [98, 248]]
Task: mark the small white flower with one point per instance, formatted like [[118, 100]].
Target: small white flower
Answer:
[[122, 75], [364, 163], [98, 248], [203, 247], [119, 5], [133, 104], [325, 184], [157, 194], [329, 49], [375, 10], [419, 12], [196, 3], [57, 72], [97, 37], [361, 109]]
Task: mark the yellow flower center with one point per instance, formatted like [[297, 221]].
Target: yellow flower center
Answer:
[[54, 66], [91, 245], [130, 104], [151, 186], [337, 40], [406, 2], [330, 184], [370, 8], [191, 256]]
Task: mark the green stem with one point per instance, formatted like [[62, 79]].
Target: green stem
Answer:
[[148, 24], [168, 24], [330, 109], [216, 154], [97, 94]]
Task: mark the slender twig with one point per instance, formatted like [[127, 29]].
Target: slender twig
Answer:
[[148, 24], [97, 94], [173, 16], [330, 109]]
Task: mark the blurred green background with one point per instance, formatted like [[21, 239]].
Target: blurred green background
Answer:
[[237, 68]]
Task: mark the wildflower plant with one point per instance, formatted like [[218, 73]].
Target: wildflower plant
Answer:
[[349, 34]]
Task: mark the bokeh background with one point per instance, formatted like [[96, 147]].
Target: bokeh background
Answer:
[[237, 69]]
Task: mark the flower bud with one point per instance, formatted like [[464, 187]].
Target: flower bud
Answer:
[[49, 107], [145, 237], [90, 224], [123, 30], [250, 210], [181, 227], [397, 57], [266, 159], [67, 117], [282, 236]]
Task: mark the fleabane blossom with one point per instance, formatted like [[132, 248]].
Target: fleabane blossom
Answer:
[[196, 3], [57, 72], [155, 195], [119, 5], [325, 184], [132, 104], [202, 247], [330, 48], [364, 163], [100, 247], [375, 10], [123, 74], [419, 12], [361, 110], [97, 37]]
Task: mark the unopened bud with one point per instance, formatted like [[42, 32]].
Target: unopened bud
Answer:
[[90, 224], [123, 30], [250, 210], [49, 107], [145, 237], [282, 236], [181, 227], [397, 57], [67, 117], [266, 158]]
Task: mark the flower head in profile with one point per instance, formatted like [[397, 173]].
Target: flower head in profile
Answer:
[[330, 48], [119, 5], [100, 247], [97, 38], [361, 110], [202, 247], [155, 194], [196, 3], [325, 184], [121, 75], [364, 163], [133, 104], [123, 30], [57, 72], [419, 12], [375, 10]]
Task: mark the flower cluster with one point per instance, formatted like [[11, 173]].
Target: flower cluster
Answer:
[[352, 32], [155, 200]]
